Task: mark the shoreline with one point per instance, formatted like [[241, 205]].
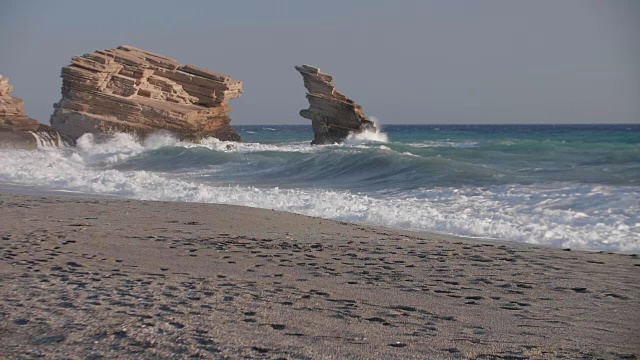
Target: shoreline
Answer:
[[26, 190], [103, 277]]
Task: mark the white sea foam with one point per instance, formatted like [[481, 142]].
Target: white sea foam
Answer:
[[410, 154], [555, 214], [120, 146], [228, 146], [461, 144], [368, 136], [48, 140]]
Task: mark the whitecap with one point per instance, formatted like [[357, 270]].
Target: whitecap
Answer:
[[461, 144], [368, 136]]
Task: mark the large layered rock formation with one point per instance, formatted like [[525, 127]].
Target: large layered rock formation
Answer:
[[16, 129], [136, 91], [333, 116]]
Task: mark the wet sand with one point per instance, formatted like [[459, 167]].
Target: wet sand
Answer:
[[92, 278]]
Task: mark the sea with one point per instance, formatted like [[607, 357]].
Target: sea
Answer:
[[565, 186]]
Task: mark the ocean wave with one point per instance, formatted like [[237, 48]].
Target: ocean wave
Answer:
[[119, 146], [580, 216]]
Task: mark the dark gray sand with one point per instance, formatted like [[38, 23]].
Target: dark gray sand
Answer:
[[102, 278]]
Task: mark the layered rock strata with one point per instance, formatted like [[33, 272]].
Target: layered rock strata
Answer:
[[333, 116], [19, 131], [135, 91]]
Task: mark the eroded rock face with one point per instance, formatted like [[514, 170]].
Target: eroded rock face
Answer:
[[19, 131], [333, 116], [135, 91]]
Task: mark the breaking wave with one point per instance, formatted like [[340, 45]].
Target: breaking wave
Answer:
[[363, 182], [368, 136]]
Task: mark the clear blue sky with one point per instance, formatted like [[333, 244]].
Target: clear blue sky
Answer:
[[543, 61]]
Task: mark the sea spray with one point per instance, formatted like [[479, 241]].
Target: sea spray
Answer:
[[367, 136], [45, 139]]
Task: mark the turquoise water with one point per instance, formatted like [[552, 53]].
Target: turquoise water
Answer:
[[471, 155], [565, 186]]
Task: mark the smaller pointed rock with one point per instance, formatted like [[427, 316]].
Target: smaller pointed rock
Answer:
[[333, 116]]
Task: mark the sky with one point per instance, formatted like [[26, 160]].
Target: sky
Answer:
[[405, 62]]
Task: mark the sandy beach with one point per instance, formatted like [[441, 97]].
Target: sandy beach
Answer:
[[91, 278]]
